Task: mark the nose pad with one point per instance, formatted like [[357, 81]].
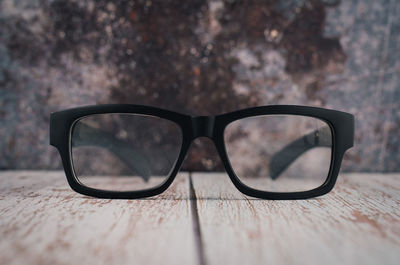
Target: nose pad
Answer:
[[202, 156]]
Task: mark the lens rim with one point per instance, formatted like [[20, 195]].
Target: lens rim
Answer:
[[61, 124], [342, 129]]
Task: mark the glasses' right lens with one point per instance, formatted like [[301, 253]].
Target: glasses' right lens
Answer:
[[280, 153], [124, 152]]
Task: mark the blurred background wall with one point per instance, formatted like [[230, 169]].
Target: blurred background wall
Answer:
[[200, 57]]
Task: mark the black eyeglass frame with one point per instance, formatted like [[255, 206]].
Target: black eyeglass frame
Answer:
[[340, 123]]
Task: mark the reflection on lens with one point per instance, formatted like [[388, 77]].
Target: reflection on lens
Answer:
[[124, 152], [280, 153]]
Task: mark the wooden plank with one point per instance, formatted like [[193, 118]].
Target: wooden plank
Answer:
[[44, 222], [357, 223]]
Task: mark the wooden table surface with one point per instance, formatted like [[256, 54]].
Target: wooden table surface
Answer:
[[200, 219]]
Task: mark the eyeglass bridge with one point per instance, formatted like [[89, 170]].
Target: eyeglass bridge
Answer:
[[203, 126]]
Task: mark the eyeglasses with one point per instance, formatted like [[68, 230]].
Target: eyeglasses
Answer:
[[269, 152]]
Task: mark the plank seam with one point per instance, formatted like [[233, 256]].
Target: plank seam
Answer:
[[196, 223]]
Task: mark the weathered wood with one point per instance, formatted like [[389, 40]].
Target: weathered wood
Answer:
[[357, 223], [42, 221]]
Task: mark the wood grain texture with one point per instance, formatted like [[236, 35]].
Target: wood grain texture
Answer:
[[198, 220], [44, 222], [357, 223]]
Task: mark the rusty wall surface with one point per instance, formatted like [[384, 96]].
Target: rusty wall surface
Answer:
[[202, 58]]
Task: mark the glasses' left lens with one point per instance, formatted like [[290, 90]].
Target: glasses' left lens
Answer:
[[280, 153], [124, 152]]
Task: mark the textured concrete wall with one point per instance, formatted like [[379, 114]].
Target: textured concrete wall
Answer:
[[201, 57]]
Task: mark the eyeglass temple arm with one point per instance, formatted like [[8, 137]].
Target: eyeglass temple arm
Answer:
[[85, 135], [287, 155]]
